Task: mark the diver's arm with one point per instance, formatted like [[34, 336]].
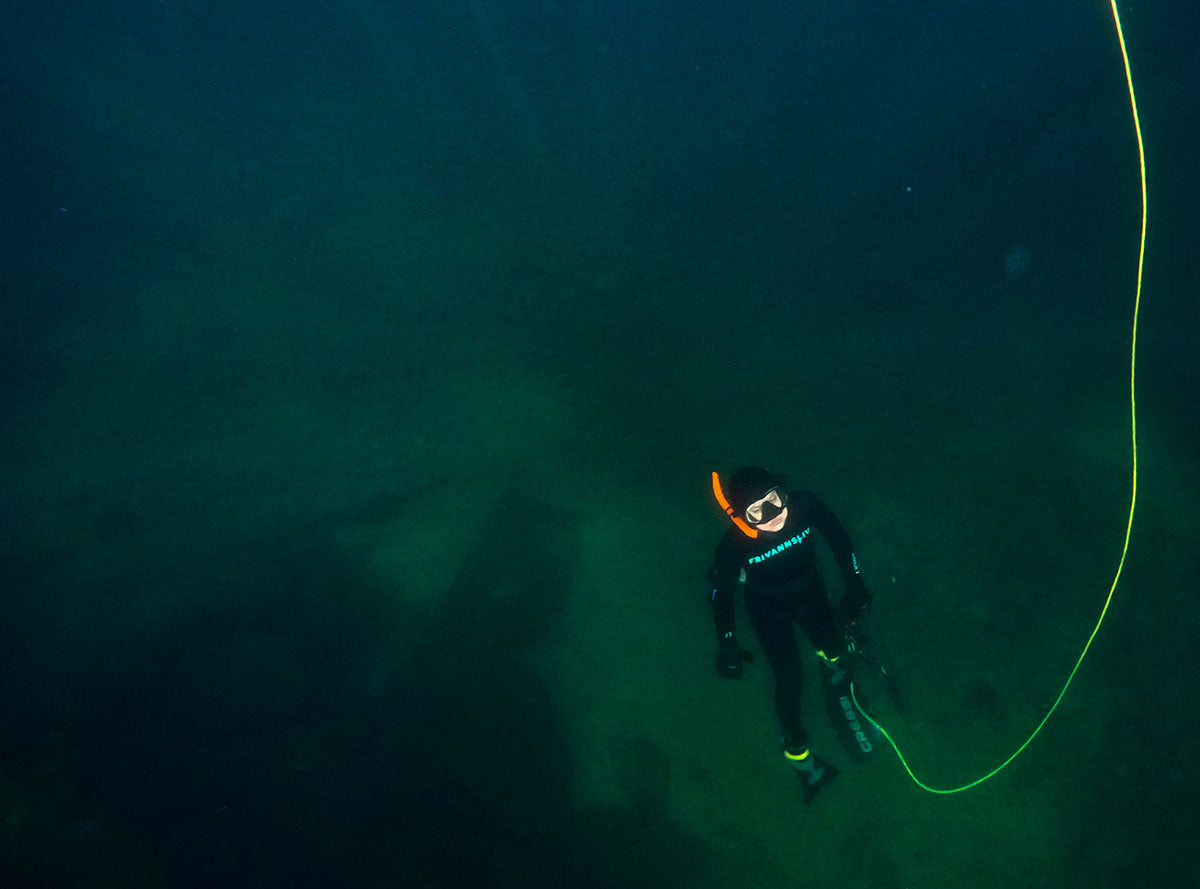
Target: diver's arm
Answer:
[[724, 577], [835, 534]]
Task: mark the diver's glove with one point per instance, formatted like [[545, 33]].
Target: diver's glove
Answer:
[[730, 658], [855, 602]]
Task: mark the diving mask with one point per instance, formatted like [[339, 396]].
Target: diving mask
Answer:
[[766, 508]]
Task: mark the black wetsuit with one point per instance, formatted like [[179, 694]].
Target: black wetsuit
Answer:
[[784, 586]]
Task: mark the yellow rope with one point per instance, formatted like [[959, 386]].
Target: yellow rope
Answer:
[[1137, 301]]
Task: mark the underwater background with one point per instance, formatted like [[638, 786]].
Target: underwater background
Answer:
[[363, 365]]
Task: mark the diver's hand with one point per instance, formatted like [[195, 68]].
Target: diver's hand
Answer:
[[854, 603], [730, 658]]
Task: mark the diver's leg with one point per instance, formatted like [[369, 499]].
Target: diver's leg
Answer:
[[820, 624], [856, 734], [772, 624]]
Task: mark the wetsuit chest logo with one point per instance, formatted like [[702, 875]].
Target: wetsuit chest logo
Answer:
[[776, 550]]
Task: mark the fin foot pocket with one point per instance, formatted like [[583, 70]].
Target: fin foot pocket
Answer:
[[813, 779]]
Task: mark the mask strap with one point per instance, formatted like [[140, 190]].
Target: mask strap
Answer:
[[724, 504]]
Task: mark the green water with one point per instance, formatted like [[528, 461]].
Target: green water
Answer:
[[363, 369]]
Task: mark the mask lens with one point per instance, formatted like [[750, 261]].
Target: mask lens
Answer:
[[766, 509]]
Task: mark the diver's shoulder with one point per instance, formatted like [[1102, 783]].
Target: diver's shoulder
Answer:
[[730, 540], [734, 545]]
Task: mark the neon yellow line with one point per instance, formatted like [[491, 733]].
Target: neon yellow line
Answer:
[[1137, 304]]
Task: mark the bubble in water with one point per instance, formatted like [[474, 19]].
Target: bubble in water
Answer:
[[1017, 262]]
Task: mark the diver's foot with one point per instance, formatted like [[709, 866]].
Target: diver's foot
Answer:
[[814, 775]]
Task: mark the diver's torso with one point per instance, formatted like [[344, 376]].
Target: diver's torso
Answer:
[[781, 561]]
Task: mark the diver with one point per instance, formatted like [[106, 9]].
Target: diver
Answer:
[[770, 550]]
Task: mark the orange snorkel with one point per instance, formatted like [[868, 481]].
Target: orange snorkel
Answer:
[[724, 504]]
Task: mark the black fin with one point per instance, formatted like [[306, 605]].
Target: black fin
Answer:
[[859, 738], [824, 774]]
